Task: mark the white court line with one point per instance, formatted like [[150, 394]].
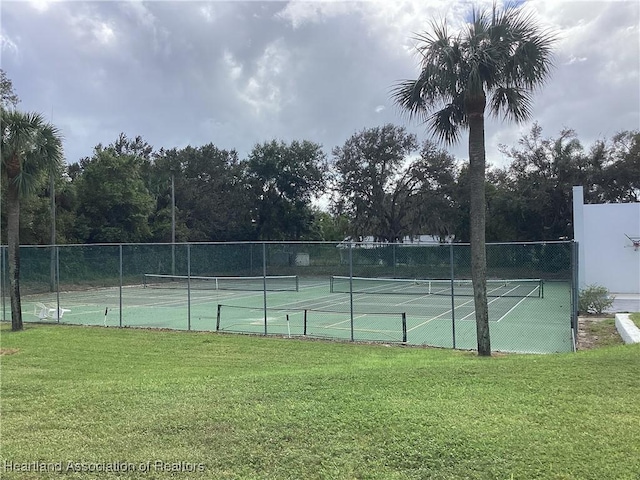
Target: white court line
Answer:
[[329, 299], [170, 299], [330, 302], [512, 308], [325, 300], [421, 297], [438, 316], [497, 298], [344, 321]]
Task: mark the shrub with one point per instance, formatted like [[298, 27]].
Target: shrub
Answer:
[[594, 299]]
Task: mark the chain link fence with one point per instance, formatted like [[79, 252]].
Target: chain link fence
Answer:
[[413, 294]]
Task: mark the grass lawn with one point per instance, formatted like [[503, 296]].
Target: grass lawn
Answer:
[[635, 317], [241, 407]]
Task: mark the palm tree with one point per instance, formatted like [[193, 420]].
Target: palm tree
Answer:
[[31, 148], [494, 63]]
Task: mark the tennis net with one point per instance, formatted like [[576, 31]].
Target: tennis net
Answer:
[[529, 287], [273, 283]]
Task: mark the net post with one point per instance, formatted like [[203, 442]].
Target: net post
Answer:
[[404, 327], [304, 323], [297, 283], [541, 288], [218, 318], [331, 284]]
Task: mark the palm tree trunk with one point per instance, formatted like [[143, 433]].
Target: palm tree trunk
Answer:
[[13, 247], [477, 224]]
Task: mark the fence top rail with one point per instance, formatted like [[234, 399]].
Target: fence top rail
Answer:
[[342, 244]]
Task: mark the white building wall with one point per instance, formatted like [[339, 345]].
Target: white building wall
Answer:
[[606, 255]]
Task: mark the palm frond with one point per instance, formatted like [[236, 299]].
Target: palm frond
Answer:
[[32, 147], [407, 94], [501, 55], [432, 88], [513, 102], [438, 84], [48, 153], [447, 123], [26, 182], [531, 61], [17, 132], [432, 44], [527, 48]]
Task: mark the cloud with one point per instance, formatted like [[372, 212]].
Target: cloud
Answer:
[[240, 73]]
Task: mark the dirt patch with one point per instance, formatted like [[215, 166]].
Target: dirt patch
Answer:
[[597, 331], [8, 351]]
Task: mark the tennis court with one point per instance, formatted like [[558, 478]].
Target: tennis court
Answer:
[[307, 307], [382, 293]]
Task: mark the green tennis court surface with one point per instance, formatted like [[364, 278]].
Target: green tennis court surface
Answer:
[[525, 323]]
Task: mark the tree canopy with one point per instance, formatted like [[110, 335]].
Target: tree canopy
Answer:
[[282, 180], [389, 188], [8, 98], [528, 197], [114, 204]]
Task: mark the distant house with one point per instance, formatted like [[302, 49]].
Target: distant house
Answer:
[[413, 241]]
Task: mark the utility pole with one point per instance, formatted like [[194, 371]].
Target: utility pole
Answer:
[[52, 193]]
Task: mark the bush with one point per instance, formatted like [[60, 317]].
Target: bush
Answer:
[[594, 299]]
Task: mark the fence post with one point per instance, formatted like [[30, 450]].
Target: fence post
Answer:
[[57, 280], [351, 286], [264, 283], [121, 274], [173, 224], [453, 299], [393, 245], [574, 289], [188, 286], [251, 259], [2, 280]]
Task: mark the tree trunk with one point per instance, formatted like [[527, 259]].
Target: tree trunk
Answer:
[[477, 227], [13, 248]]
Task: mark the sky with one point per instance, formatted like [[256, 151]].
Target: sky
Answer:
[[238, 73]]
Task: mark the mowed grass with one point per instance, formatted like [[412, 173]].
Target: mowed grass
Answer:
[[242, 407]]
